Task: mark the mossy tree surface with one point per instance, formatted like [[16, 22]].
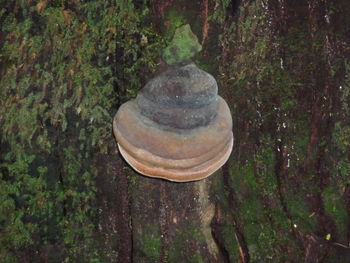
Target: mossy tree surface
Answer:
[[284, 72], [66, 66]]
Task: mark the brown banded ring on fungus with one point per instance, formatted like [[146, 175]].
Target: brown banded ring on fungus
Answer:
[[177, 128]]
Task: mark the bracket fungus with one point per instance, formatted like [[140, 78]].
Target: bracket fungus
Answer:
[[177, 128]]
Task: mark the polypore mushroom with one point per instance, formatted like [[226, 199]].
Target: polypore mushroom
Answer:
[[178, 128]]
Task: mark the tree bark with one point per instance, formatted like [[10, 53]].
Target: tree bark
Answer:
[[66, 194], [171, 221]]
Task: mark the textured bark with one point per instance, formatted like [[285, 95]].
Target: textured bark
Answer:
[[68, 196], [171, 221], [114, 204]]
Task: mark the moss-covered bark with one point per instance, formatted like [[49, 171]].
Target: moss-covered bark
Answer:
[[65, 66], [283, 72], [171, 221], [65, 194]]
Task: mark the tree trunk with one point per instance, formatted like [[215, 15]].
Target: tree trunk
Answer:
[[66, 194], [172, 222]]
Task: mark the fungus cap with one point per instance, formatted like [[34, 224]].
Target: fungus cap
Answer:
[[177, 128]]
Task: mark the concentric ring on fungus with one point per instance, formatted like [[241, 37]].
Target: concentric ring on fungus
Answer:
[[185, 147]]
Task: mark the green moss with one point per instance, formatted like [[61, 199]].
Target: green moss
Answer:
[[335, 207], [150, 241], [180, 248], [60, 84], [175, 19], [151, 246], [249, 175], [197, 258], [228, 234], [183, 46], [203, 65], [302, 217]]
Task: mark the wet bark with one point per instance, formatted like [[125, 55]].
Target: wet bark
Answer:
[[284, 195], [171, 221], [114, 207]]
